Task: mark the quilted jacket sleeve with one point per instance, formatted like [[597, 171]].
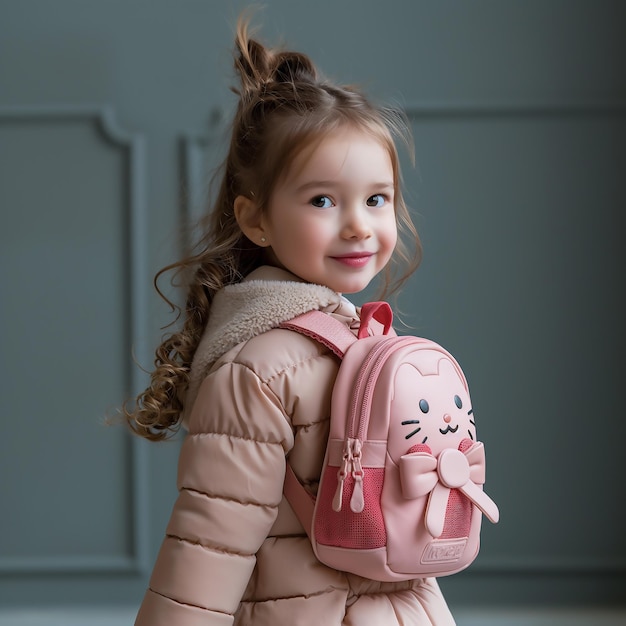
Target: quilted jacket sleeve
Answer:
[[230, 479]]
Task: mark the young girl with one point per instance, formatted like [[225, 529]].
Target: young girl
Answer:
[[308, 209]]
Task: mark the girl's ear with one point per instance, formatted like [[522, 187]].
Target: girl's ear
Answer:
[[250, 220]]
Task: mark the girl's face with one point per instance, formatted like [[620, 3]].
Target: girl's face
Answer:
[[331, 220]]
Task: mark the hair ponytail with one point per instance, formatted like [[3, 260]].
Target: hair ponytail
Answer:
[[258, 66]]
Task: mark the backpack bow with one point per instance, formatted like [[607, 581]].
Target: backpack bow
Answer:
[[422, 473]]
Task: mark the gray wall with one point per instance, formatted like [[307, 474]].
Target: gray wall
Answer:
[[108, 109]]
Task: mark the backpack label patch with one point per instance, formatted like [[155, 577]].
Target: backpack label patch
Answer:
[[444, 551]]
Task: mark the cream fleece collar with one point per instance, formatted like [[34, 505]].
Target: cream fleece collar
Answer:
[[267, 297]]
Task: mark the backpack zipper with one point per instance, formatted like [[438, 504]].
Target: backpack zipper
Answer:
[[381, 353], [359, 421]]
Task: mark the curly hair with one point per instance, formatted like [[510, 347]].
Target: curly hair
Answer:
[[284, 106]]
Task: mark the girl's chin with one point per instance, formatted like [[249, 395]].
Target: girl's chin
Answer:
[[348, 287]]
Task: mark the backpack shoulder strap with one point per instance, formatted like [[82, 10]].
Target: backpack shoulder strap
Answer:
[[376, 319], [300, 500], [324, 328], [335, 335]]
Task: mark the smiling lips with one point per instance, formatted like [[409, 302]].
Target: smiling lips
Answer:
[[354, 259]]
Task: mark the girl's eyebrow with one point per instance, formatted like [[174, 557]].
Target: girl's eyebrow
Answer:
[[329, 184], [315, 184]]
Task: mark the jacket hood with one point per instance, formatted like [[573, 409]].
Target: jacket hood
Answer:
[[264, 299]]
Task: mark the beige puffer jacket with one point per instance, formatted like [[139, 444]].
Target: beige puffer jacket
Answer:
[[234, 553]]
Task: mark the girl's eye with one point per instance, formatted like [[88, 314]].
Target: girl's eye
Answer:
[[322, 202], [376, 200]]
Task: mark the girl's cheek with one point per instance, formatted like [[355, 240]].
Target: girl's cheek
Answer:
[[393, 233]]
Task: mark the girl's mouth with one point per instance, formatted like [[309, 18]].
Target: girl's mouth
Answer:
[[357, 259]]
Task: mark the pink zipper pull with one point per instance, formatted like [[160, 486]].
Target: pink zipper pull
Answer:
[[357, 501], [341, 476]]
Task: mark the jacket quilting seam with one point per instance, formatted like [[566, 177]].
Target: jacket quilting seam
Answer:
[[309, 424], [213, 433], [195, 606], [295, 364], [229, 499], [264, 383], [305, 596], [399, 589], [322, 353], [211, 548]]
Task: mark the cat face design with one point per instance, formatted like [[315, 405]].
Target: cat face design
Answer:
[[430, 406]]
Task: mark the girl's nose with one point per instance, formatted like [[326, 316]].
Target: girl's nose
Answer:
[[447, 419], [356, 225]]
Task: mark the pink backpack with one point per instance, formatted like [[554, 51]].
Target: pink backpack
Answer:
[[401, 490]]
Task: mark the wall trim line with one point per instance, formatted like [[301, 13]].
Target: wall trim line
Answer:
[[512, 109]]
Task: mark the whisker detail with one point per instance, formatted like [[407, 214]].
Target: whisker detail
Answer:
[[413, 433]]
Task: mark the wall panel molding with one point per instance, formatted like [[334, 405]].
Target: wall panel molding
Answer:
[[498, 110], [197, 160], [131, 145]]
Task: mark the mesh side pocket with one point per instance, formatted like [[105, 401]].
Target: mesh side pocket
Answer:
[[345, 529], [458, 516]]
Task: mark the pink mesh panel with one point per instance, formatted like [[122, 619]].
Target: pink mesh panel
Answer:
[[345, 529], [458, 516], [465, 444]]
